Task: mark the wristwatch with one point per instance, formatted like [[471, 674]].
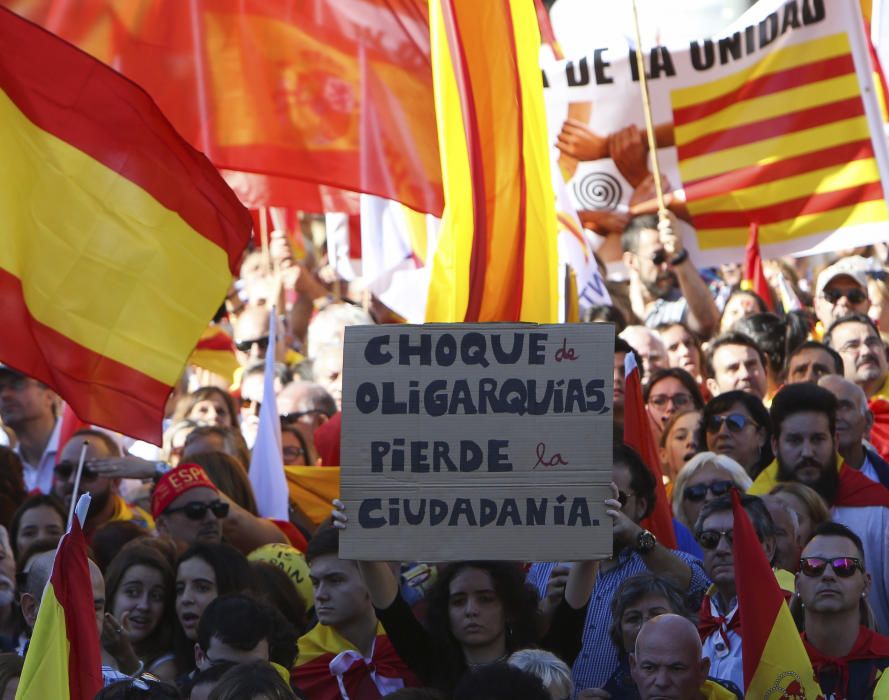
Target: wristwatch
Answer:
[[679, 258], [645, 542]]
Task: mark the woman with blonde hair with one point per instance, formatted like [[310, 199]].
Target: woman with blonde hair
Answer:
[[810, 508], [549, 668], [705, 477]]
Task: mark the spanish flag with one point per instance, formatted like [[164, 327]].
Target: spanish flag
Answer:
[[754, 277], [120, 239], [776, 664], [215, 352], [784, 143], [63, 660], [496, 259]]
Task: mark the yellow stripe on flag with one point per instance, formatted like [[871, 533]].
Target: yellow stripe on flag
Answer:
[[774, 149], [858, 172], [774, 105], [793, 56], [131, 261], [798, 227], [49, 647], [313, 488]]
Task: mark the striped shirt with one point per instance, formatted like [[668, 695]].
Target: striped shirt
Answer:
[[598, 656]]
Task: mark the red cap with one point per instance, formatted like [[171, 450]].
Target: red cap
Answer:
[[176, 482]]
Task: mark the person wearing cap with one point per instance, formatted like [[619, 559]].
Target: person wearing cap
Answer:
[[840, 290], [29, 409], [187, 506]]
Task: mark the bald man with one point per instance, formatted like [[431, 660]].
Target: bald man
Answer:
[[667, 663], [854, 423], [649, 346]]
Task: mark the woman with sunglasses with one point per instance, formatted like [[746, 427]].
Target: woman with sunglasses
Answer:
[[139, 590], [203, 573], [736, 424], [668, 391], [705, 477]]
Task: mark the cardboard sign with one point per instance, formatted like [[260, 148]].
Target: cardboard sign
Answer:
[[477, 441]]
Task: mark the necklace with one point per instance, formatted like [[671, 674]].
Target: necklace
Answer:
[[481, 664]]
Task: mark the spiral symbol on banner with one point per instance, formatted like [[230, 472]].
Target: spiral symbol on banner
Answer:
[[598, 191]]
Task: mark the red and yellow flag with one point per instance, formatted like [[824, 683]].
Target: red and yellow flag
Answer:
[[215, 352], [330, 92], [754, 277], [120, 240], [776, 664], [784, 144], [64, 661], [496, 259]]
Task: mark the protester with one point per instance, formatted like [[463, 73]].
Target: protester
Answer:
[[207, 405], [719, 616], [810, 361], [621, 349], [203, 682], [775, 336], [804, 440], [788, 543], [734, 362], [274, 587], [29, 409], [811, 510], [187, 506], [667, 391], [141, 688], [679, 443], [203, 573], [737, 425], [634, 553], [683, 349], [500, 682], [252, 680], [39, 517], [849, 659], [740, 303], [549, 668], [140, 592], [348, 647], [705, 477], [857, 340], [12, 484], [216, 438], [841, 290], [667, 663], [648, 345]]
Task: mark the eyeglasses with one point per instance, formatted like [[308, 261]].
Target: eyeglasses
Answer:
[[247, 404], [245, 345], [291, 454], [659, 257], [736, 422], [63, 470], [296, 416], [198, 511], [844, 567], [709, 539], [854, 295], [678, 400], [699, 491]]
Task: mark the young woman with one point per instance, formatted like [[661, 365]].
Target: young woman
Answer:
[[203, 573], [668, 391], [139, 589], [478, 613], [679, 443], [208, 405], [40, 517]]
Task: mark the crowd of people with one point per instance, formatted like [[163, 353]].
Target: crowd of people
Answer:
[[197, 595]]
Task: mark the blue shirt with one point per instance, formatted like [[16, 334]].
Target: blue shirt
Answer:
[[598, 657]]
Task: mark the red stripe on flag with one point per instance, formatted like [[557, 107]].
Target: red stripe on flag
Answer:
[[89, 381], [791, 208], [768, 85], [220, 340], [479, 256], [782, 125], [513, 309], [73, 589], [125, 129], [770, 172]]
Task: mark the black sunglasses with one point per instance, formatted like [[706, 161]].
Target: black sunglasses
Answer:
[[287, 418], [198, 511], [699, 491], [844, 567], [659, 257], [64, 470], [709, 539], [854, 295], [736, 422], [245, 345]]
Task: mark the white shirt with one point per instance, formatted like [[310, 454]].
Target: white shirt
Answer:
[[726, 662], [40, 477]]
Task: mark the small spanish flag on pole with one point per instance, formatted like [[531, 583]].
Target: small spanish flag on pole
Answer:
[[64, 661], [754, 279], [119, 239], [776, 664], [496, 259]]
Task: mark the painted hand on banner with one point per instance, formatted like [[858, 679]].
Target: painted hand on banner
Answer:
[[629, 152], [579, 141]]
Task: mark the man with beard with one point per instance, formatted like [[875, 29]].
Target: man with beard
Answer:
[[665, 286], [107, 504], [804, 441], [857, 340]]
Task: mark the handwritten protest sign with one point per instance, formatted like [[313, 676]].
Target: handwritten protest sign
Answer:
[[487, 441]]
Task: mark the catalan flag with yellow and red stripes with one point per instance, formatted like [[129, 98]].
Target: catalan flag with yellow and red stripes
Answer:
[[784, 144], [496, 259], [119, 239]]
